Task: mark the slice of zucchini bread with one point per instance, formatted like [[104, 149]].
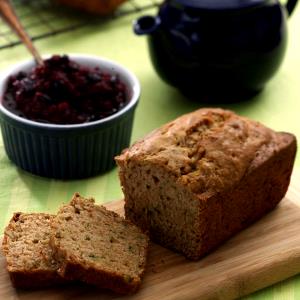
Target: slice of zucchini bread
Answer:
[[29, 257], [98, 246], [203, 177]]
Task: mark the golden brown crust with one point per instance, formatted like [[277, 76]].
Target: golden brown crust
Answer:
[[100, 278], [100, 7], [99, 247], [201, 178], [208, 150], [35, 280]]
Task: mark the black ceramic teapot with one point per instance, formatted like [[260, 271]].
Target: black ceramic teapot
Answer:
[[229, 48]]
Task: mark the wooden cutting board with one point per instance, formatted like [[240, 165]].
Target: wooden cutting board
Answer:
[[265, 253]]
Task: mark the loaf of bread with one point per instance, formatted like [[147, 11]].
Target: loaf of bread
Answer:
[[100, 7], [29, 258], [196, 181], [97, 246]]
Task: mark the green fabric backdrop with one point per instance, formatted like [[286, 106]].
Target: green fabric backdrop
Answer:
[[277, 106]]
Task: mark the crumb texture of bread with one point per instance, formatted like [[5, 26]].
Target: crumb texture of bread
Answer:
[[100, 7], [98, 246], [29, 257], [201, 178]]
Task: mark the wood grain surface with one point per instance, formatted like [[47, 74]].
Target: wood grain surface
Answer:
[[263, 254]]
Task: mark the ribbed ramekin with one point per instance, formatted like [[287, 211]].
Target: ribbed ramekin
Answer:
[[69, 151]]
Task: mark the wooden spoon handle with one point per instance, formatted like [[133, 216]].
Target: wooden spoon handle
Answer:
[[8, 14]]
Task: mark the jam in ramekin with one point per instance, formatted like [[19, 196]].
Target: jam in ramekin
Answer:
[[65, 92]]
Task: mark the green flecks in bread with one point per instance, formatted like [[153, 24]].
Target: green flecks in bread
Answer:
[[29, 258], [203, 177], [98, 246]]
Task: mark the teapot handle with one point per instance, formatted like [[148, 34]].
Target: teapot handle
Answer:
[[290, 5]]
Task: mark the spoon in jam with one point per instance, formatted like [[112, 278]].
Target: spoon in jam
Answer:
[[8, 14]]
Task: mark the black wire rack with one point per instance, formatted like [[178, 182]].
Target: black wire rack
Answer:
[[45, 18]]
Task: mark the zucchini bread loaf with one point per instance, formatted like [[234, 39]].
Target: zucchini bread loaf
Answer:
[[198, 180], [29, 258], [99, 247]]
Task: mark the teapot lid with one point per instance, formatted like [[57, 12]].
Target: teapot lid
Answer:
[[220, 4]]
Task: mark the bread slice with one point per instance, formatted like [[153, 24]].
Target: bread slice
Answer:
[[28, 255], [98, 246], [203, 177]]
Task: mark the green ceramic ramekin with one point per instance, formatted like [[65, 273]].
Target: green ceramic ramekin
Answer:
[[69, 151]]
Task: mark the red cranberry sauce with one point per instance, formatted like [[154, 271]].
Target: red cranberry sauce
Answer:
[[64, 92]]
